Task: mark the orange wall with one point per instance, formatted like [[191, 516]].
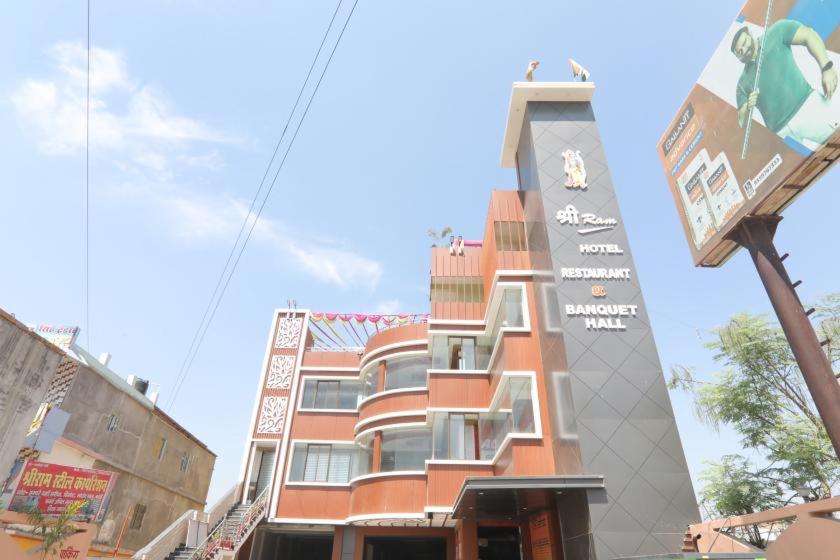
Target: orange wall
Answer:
[[322, 425], [445, 481], [314, 502], [394, 335], [389, 494], [463, 391], [398, 402]]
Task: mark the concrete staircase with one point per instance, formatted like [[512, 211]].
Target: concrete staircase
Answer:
[[181, 553], [228, 526]]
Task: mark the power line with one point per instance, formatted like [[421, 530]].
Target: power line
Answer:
[[87, 188], [224, 271], [206, 325]]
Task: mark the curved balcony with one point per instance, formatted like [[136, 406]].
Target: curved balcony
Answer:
[[390, 404], [395, 337], [390, 492]]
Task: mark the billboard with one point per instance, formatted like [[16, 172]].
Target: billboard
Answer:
[[50, 488], [761, 123]]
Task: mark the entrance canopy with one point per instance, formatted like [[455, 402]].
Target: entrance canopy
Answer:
[[509, 497]]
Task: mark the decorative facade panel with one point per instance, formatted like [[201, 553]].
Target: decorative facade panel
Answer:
[[288, 332], [280, 372], [273, 415]]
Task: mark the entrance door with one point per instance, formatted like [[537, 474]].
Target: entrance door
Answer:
[[266, 459], [498, 543], [405, 548]]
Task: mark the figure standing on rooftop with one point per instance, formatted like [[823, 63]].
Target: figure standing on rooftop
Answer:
[[529, 74]]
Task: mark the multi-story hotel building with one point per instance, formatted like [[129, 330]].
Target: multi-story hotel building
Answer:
[[526, 416]]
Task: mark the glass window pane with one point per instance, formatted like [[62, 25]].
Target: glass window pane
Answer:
[[440, 352], [522, 405], [405, 450], [468, 353], [363, 462], [348, 395], [440, 436], [326, 395], [513, 308], [317, 463], [308, 400], [298, 461], [456, 436], [406, 372], [341, 459], [370, 383], [469, 439]]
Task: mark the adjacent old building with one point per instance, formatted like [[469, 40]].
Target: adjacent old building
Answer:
[[160, 470], [526, 416]]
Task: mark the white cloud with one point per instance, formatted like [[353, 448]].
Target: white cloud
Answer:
[[196, 219], [152, 144], [54, 109]]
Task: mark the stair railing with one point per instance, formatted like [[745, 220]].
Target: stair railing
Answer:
[[225, 537]]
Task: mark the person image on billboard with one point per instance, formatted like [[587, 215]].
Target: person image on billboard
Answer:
[[789, 106]]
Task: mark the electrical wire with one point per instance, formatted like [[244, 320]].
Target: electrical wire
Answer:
[[206, 324], [87, 189]]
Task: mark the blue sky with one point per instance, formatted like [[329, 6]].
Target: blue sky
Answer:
[[189, 99]]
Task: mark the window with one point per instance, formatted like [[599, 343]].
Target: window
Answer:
[[331, 394], [457, 289], [137, 517], [160, 448], [459, 352], [513, 308], [468, 437], [370, 381], [455, 436], [329, 463], [404, 373], [185, 462], [510, 236], [113, 422], [511, 312], [405, 450]]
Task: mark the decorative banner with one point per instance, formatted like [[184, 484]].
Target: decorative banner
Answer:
[[51, 488]]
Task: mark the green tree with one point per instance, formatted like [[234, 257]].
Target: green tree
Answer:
[[734, 487], [439, 236], [55, 530], [761, 394]]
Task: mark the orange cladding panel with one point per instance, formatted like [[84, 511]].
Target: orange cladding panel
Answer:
[[324, 426], [396, 335], [330, 359], [445, 481], [459, 391], [389, 494], [396, 402], [314, 502]]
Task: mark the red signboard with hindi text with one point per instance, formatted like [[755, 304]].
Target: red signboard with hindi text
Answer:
[[51, 488]]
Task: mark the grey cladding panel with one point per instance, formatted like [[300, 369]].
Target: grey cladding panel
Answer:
[[623, 415]]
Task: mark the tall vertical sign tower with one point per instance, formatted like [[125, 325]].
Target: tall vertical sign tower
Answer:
[[611, 404]]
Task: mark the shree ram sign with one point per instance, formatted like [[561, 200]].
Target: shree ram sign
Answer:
[[759, 126], [50, 488]]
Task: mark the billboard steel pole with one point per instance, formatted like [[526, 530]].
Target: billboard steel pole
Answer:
[[756, 235]]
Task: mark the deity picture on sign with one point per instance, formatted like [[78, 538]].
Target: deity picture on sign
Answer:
[[575, 170]]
